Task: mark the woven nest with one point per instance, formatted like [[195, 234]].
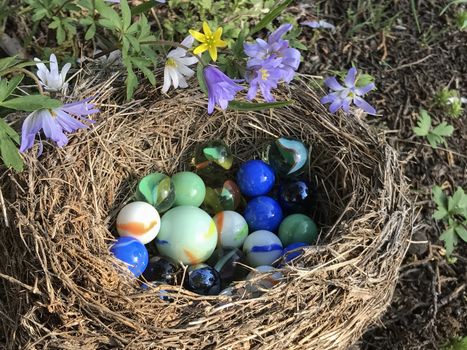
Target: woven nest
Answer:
[[61, 288]]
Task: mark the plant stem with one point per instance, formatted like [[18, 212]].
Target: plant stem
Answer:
[[155, 42], [29, 74]]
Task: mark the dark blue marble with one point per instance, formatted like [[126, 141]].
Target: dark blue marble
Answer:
[[288, 257], [296, 197], [255, 178], [133, 253], [203, 279], [263, 213]]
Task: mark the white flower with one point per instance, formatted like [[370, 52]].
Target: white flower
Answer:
[[52, 80], [455, 99], [176, 68]]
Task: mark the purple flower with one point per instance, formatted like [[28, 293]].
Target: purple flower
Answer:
[[221, 89], [319, 24], [265, 77], [275, 47], [341, 97], [54, 122]]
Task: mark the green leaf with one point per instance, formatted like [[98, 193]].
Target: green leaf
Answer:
[[440, 197], [248, 106], [7, 62], [461, 232], [90, 32], [200, 76], [450, 240], [7, 87], [131, 82], [9, 131], [144, 7], [443, 129], [143, 66], [238, 46], [113, 19], [126, 14], [31, 103], [454, 201], [271, 16], [9, 152], [424, 124]]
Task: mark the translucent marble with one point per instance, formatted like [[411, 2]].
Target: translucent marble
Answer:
[[228, 266], [222, 198], [255, 178], [297, 196], [291, 252], [263, 213], [265, 277], [262, 248], [139, 220], [287, 156], [132, 252], [189, 189], [162, 269], [212, 159], [232, 229], [203, 279], [298, 228], [158, 190], [188, 235]]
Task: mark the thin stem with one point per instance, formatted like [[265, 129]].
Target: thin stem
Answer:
[[155, 42], [29, 74], [60, 8]]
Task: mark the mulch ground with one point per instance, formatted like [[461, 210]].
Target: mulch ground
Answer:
[[382, 38]]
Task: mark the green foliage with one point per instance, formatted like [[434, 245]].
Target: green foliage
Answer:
[[449, 101], [461, 20], [452, 211], [8, 149], [435, 136], [458, 343]]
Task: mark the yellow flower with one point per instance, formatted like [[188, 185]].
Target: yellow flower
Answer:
[[209, 41]]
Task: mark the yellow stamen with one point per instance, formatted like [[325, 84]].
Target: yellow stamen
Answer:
[[264, 74], [171, 62]]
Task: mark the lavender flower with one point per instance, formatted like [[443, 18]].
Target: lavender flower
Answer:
[[265, 77], [221, 89], [319, 24], [54, 122], [341, 97], [275, 47]]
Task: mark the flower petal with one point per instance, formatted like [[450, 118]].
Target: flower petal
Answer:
[[31, 126], [198, 36], [206, 29], [335, 105], [328, 98], [64, 71], [200, 49], [218, 34], [166, 85], [173, 76], [213, 53], [311, 24], [360, 102], [188, 41], [186, 61], [333, 84], [221, 43], [364, 89], [277, 34], [350, 77]]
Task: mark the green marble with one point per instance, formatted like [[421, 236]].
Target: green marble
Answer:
[[158, 190], [212, 159], [298, 228], [189, 189]]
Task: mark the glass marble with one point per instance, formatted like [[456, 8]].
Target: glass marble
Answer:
[[139, 220], [267, 277], [298, 228], [222, 198], [163, 294], [162, 269], [232, 229], [255, 178], [296, 196], [212, 159], [263, 213], [291, 252], [203, 279], [158, 190], [228, 266], [287, 156], [132, 252], [262, 248], [188, 235], [189, 189]]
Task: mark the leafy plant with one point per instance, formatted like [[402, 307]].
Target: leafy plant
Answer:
[[458, 343], [436, 135], [450, 101], [452, 211], [461, 20]]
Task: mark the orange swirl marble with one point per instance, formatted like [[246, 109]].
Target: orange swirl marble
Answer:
[[136, 228]]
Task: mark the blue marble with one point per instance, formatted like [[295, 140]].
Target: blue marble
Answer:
[[203, 279], [263, 213], [255, 178], [288, 257], [132, 252]]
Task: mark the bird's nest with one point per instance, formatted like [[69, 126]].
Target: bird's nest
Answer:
[[60, 285]]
